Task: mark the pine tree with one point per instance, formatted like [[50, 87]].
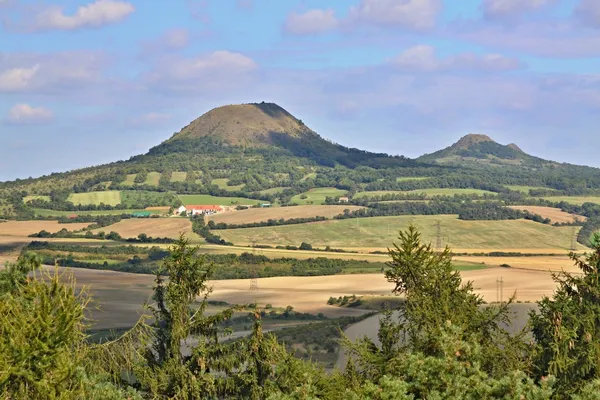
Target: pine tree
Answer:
[[567, 326]]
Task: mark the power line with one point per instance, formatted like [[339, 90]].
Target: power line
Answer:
[[499, 290], [573, 238]]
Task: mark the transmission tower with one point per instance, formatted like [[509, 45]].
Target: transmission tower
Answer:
[[574, 239], [499, 290], [254, 273], [439, 238]]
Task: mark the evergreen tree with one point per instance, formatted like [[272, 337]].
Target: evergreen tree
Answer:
[[567, 326]]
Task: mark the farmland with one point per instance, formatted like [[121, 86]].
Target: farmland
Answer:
[[554, 214], [379, 232], [274, 190], [317, 196], [264, 214], [222, 184], [108, 197], [54, 213], [579, 200], [428, 192], [178, 176], [25, 228], [27, 199], [155, 227], [130, 180], [206, 199], [152, 178], [525, 189]]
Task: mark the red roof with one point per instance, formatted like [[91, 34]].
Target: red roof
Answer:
[[72, 216], [203, 208]]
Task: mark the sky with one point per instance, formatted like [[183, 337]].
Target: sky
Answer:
[[86, 82]]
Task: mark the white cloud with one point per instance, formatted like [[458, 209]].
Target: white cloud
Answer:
[[96, 14], [498, 9], [310, 22], [588, 11], [22, 114], [17, 79], [423, 58], [412, 14], [28, 72], [220, 68]]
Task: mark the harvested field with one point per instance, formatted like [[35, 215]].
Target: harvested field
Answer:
[[120, 295], [264, 214], [26, 228], [161, 209], [537, 263], [155, 227], [381, 232], [555, 214]]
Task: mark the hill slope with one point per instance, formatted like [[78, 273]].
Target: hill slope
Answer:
[[481, 147], [246, 125]]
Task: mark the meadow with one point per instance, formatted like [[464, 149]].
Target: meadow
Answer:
[[129, 181], [206, 199], [380, 232], [222, 184], [265, 214], [34, 197], [411, 178], [178, 176], [108, 197], [525, 189], [579, 200], [274, 190], [317, 196], [429, 192], [152, 178]]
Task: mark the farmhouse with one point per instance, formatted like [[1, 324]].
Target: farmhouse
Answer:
[[343, 199], [203, 209]]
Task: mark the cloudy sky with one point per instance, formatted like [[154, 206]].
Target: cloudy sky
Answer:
[[86, 82]]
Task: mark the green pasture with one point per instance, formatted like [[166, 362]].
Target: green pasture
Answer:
[[317, 196], [108, 197], [178, 176], [206, 199], [222, 184]]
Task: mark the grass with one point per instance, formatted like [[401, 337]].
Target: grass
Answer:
[[45, 213], [178, 176], [450, 191], [411, 178], [200, 199], [429, 192], [130, 181], [579, 200], [525, 189], [109, 197], [381, 232], [222, 184], [152, 178], [27, 199], [312, 175], [274, 190], [317, 196]]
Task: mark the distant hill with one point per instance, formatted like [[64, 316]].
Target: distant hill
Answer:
[[262, 151], [477, 148], [255, 124]]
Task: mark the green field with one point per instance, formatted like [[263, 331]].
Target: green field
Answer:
[[222, 184], [130, 180], [429, 192], [108, 197], [30, 198], [152, 178], [450, 192], [312, 175], [206, 199], [46, 213], [579, 200], [411, 178], [525, 189], [274, 190], [317, 196], [178, 176], [381, 232]]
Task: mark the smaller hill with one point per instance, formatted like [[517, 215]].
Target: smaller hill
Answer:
[[475, 147]]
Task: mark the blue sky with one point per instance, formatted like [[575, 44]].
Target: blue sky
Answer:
[[85, 82]]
